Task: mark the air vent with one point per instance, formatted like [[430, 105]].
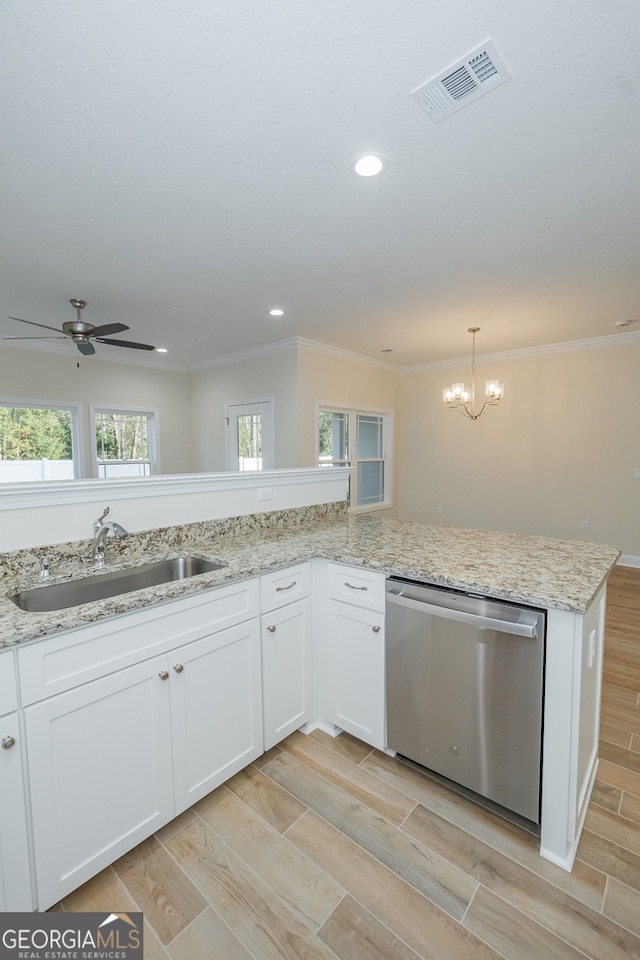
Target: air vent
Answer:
[[478, 73]]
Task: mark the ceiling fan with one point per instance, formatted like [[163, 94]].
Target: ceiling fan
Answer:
[[83, 333]]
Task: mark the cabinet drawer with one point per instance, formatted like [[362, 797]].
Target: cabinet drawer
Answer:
[[364, 588], [284, 586], [8, 692], [59, 663]]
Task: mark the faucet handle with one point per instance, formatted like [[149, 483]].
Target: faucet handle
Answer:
[[98, 523]]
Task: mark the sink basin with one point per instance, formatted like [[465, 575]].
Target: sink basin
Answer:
[[59, 596]]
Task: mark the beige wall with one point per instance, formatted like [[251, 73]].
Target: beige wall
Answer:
[[54, 378], [326, 379], [273, 375], [561, 448]]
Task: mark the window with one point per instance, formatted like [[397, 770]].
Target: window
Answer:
[[37, 442], [125, 443], [361, 440]]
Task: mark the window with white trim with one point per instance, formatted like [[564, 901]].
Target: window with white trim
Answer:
[[38, 442], [125, 442], [360, 439]]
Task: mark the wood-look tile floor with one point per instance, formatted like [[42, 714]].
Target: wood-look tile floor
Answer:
[[328, 849]]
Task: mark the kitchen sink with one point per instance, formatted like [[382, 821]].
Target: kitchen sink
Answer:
[[59, 596]]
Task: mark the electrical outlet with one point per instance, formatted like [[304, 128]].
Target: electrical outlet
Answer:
[[584, 524], [636, 473], [440, 511], [265, 493]]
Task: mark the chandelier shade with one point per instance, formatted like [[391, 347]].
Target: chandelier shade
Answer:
[[457, 397]]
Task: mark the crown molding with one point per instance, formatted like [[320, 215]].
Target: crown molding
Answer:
[[278, 346], [337, 353], [570, 346]]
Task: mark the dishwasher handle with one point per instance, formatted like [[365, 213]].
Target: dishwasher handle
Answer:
[[484, 623]]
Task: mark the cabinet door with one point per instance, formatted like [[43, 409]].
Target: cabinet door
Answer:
[[100, 771], [356, 672], [216, 710], [287, 678], [15, 879]]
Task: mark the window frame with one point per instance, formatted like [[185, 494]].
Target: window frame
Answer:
[[386, 457], [153, 433], [75, 411]]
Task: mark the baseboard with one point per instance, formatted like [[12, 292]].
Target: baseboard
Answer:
[[628, 560]]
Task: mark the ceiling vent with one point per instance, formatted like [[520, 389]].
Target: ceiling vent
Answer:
[[478, 73]]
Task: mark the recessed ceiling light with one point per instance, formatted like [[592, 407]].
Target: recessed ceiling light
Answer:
[[369, 165], [161, 349], [276, 312]]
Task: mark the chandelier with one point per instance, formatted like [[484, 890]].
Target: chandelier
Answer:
[[457, 395]]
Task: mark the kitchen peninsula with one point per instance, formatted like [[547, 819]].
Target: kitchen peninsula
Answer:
[[566, 578]]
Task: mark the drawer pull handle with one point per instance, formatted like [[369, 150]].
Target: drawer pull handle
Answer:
[[164, 674], [376, 629], [352, 587], [271, 628], [8, 742], [280, 589], [178, 667]]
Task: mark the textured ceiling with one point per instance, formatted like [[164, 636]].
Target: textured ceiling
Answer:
[[183, 165]]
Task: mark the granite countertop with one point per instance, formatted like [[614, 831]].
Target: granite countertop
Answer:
[[539, 571]]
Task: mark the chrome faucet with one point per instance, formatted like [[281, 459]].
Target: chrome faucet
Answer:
[[101, 531]]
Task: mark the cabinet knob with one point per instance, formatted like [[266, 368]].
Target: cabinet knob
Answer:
[[8, 742], [178, 667], [164, 674], [271, 628], [376, 629]]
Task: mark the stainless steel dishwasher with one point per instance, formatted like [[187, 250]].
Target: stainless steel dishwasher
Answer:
[[465, 686]]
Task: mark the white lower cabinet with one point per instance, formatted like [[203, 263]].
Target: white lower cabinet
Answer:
[[216, 710], [112, 760], [287, 677], [355, 653], [287, 652], [15, 872], [15, 869], [100, 774], [356, 672]]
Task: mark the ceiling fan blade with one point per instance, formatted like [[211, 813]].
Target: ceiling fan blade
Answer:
[[125, 343], [107, 330], [86, 348], [33, 338], [34, 324]]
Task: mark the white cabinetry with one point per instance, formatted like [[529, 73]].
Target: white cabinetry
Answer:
[[573, 682], [355, 653], [112, 759], [15, 873], [287, 668]]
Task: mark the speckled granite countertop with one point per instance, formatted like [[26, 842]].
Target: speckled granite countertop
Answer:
[[539, 571]]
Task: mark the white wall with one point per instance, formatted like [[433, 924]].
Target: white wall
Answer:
[[559, 449], [55, 378], [49, 513], [273, 375]]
